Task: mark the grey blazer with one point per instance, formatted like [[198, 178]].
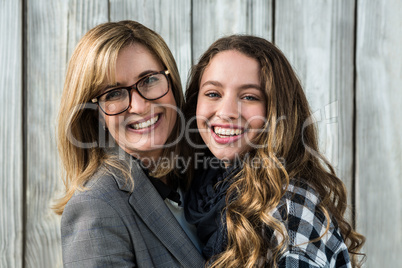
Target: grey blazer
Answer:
[[107, 226]]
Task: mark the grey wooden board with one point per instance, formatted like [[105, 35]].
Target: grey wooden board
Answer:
[[170, 18], [53, 32], [379, 130], [11, 139], [83, 16], [46, 59], [318, 37], [214, 19]]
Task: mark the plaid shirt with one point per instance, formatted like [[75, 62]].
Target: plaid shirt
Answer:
[[300, 215]]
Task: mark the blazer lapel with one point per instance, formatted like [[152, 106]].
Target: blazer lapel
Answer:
[[147, 202]]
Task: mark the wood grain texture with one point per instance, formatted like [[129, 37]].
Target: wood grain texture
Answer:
[[317, 37], [83, 16], [53, 31], [379, 131], [214, 19], [46, 60], [170, 18], [11, 139]]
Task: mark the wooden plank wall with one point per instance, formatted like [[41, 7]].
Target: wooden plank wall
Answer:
[[11, 140], [46, 30], [347, 54], [321, 51], [379, 130]]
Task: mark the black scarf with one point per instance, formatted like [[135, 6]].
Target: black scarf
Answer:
[[204, 207]]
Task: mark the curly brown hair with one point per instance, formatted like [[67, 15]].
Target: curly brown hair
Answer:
[[291, 147]]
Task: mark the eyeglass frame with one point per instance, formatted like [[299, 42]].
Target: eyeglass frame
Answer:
[[130, 88]]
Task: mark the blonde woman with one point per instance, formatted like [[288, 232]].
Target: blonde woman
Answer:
[[274, 201], [118, 132]]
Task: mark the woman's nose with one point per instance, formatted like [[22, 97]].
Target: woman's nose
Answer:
[[228, 108], [138, 104]]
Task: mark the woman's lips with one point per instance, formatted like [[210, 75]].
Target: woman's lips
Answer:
[[221, 131], [145, 125], [225, 134]]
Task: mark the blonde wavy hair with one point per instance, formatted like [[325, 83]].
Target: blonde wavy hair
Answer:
[[290, 151], [80, 136]]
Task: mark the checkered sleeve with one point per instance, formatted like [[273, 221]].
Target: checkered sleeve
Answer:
[[304, 222]]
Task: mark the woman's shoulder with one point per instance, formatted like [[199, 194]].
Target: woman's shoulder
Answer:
[[102, 179], [312, 233], [96, 217], [102, 186], [300, 194], [301, 204]]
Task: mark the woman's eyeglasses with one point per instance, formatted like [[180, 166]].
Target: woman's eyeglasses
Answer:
[[117, 100]]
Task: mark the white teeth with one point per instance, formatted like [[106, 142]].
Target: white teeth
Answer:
[[146, 124], [227, 131]]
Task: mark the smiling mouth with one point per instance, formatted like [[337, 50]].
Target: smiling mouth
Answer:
[[145, 124], [227, 132]]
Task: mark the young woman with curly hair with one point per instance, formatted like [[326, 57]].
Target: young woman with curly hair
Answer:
[[275, 201]]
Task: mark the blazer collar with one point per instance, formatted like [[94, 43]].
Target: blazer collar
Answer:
[[150, 206]]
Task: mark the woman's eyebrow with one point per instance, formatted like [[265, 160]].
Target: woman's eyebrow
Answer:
[[145, 73], [211, 82], [141, 75], [218, 84], [114, 85], [107, 87], [247, 86]]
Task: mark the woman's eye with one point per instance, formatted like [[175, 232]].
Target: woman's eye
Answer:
[[152, 79], [250, 98], [114, 95], [212, 95]]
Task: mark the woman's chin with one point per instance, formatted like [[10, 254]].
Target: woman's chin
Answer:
[[225, 156]]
